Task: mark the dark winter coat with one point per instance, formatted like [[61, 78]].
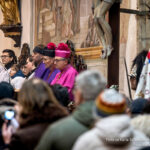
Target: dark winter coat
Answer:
[[62, 134], [32, 128]]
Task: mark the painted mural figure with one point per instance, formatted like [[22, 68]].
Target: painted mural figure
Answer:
[[67, 19], [10, 12], [92, 37], [57, 19], [76, 16], [53, 5], [103, 28]]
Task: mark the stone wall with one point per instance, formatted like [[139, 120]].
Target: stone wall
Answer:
[[124, 26], [128, 42], [143, 23], [27, 17]]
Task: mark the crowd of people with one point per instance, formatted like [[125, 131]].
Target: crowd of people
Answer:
[[46, 104]]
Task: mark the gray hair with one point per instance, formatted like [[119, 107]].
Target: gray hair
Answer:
[[90, 83]]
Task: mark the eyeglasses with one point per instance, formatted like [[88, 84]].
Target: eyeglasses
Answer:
[[57, 60], [4, 56]]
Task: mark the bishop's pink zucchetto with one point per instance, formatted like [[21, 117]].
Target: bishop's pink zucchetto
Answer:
[[63, 51]]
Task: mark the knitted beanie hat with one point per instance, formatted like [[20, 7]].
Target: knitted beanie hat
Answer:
[[109, 102], [49, 50], [63, 51]]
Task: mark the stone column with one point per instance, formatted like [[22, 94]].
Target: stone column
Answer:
[[27, 18], [131, 45], [142, 31]]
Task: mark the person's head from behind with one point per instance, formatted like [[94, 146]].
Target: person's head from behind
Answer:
[[61, 94], [88, 85], [109, 102], [6, 90], [36, 96], [37, 54], [8, 56], [70, 45], [25, 52], [14, 69], [139, 106], [8, 102]]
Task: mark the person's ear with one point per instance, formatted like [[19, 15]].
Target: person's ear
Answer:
[[128, 112], [11, 58], [66, 62], [78, 97], [53, 60]]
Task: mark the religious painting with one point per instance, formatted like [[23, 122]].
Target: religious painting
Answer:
[[56, 20], [91, 37], [60, 20]]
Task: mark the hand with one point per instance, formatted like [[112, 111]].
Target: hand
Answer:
[[71, 107], [6, 133]]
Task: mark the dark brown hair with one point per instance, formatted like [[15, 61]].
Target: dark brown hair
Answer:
[[37, 99], [11, 54], [16, 67], [25, 52]]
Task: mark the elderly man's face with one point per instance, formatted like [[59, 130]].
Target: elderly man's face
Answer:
[[48, 61], [60, 63]]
